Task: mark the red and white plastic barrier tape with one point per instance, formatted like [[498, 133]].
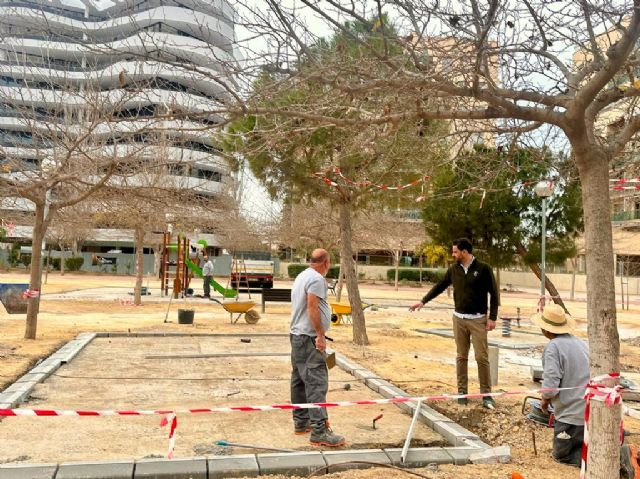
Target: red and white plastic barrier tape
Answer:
[[171, 417], [594, 391], [609, 395], [30, 293]]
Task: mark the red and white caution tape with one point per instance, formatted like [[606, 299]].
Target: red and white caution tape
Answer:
[[30, 293], [597, 391], [594, 391], [172, 420]]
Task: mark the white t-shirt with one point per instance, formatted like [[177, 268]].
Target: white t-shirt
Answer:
[[309, 281]]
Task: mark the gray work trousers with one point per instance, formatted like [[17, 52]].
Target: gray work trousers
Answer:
[[309, 381]]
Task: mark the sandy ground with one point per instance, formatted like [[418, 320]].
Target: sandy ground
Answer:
[[421, 364]]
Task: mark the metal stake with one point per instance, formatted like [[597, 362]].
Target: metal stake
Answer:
[[407, 441]]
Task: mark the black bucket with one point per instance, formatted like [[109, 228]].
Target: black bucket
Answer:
[[185, 316]]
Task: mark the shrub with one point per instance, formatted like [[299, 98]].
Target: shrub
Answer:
[[54, 263], [295, 269], [14, 254], [428, 275], [74, 263], [25, 259]]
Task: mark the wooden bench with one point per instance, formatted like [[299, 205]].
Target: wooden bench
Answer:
[[275, 294]]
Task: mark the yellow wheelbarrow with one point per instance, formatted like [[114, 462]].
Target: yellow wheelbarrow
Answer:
[[240, 308], [341, 312]]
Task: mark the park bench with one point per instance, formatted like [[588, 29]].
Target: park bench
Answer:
[[331, 286], [279, 295]]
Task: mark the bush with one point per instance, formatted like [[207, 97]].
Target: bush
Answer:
[[295, 269], [74, 263], [333, 272], [54, 264], [25, 259], [428, 275]]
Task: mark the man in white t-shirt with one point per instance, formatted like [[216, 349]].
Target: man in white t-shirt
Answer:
[[310, 319]]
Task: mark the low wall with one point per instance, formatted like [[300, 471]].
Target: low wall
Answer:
[[519, 279]]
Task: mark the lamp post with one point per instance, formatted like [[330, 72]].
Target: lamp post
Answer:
[[543, 189]]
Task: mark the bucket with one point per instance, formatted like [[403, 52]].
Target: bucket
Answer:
[[11, 297], [185, 316]]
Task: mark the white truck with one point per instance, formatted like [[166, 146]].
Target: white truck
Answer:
[[254, 273]]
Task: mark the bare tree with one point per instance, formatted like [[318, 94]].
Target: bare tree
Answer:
[[517, 66]]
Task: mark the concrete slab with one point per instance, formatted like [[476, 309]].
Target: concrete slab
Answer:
[[292, 464], [96, 470], [241, 465], [28, 471], [190, 468], [344, 460], [493, 455], [31, 377], [460, 455], [453, 432], [420, 456]]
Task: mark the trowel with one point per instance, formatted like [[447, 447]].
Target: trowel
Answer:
[[330, 359]]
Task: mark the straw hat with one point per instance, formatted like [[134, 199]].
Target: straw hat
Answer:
[[554, 320]]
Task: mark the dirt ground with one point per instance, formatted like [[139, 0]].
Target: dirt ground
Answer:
[[420, 364]]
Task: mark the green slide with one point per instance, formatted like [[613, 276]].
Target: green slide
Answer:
[[197, 270]]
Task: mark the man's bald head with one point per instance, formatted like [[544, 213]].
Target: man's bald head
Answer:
[[319, 261], [319, 255]]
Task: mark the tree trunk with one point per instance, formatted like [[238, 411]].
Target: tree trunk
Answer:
[[61, 245], [46, 269], [346, 254], [396, 261], [574, 263], [498, 281], [420, 266], [35, 279], [340, 279], [604, 343], [139, 240], [548, 284]]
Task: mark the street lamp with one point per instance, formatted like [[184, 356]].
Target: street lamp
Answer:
[[543, 189]]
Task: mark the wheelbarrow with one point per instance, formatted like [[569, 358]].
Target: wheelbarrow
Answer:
[[240, 308], [341, 312]]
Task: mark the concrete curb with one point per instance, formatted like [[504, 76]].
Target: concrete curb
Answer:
[[463, 442], [448, 333]]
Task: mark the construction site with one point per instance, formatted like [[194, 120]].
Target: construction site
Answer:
[[105, 375]]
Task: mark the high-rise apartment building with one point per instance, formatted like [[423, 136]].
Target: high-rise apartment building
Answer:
[[144, 77]]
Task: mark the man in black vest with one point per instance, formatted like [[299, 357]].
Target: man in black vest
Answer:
[[472, 281]]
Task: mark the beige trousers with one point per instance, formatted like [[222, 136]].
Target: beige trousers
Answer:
[[467, 332]]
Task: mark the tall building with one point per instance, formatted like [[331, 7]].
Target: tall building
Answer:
[[141, 77]]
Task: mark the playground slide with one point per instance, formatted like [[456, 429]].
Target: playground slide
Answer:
[[197, 270]]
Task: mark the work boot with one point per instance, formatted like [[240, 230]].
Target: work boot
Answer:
[[488, 402], [301, 428], [324, 436], [629, 465]]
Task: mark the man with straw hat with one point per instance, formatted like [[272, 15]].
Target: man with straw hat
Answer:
[[565, 364]]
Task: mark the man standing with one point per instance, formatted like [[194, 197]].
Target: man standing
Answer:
[[207, 275], [472, 281], [310, 319]]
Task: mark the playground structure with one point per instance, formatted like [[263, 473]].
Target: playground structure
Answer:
[[176, 264]]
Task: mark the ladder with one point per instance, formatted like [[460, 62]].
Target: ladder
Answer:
[[236, 268], [173, 273]]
